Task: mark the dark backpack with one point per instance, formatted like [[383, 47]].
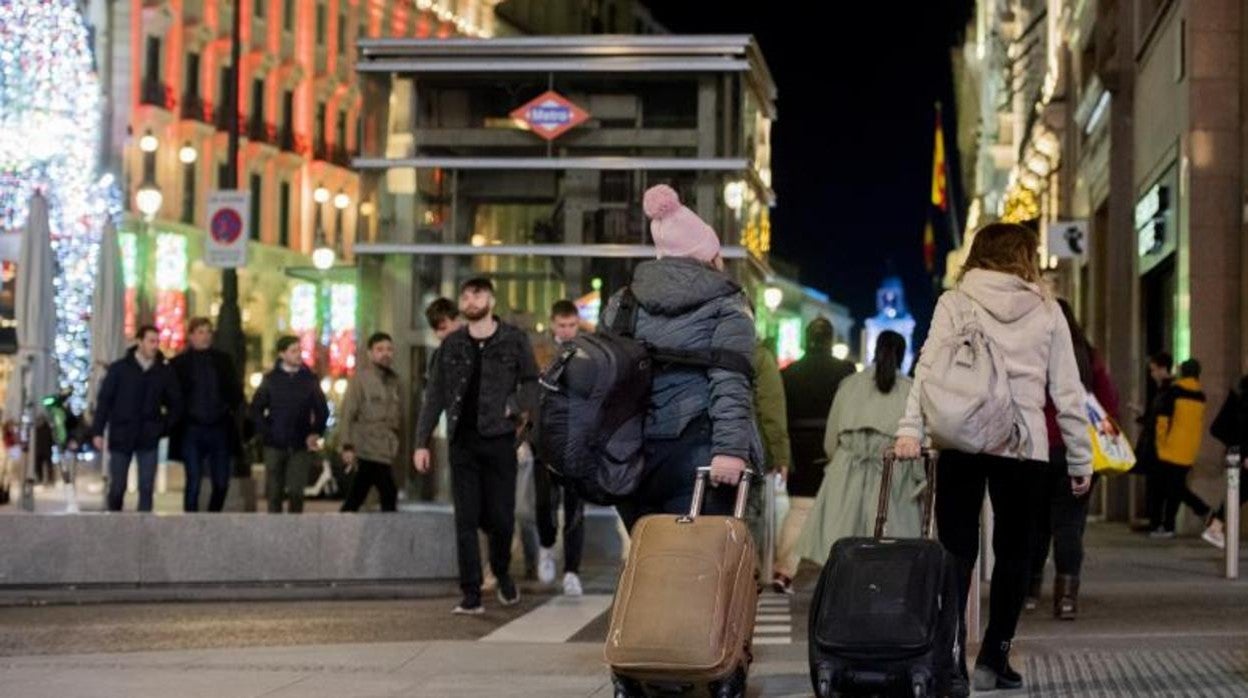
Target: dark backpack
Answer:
[[595, 396]]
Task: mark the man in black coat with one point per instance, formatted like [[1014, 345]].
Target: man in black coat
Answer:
[[810, 384], [138, 402], [289, 412], [207, 438]]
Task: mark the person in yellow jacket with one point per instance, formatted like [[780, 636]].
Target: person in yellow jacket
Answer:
[[1180, 426]]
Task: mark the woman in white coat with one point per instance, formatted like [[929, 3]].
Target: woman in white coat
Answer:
[[1000, 287]]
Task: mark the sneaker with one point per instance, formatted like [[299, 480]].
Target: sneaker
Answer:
[[546, 566], [993, 671], [1214, 536], [470, 606], [782, 584], [508, 594], [1161, 534], [572, 585]]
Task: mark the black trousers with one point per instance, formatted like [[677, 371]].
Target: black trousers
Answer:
[[1167, 490], [960, 483], [549, 493], [1061, 518], [483, 487], [370, 473]]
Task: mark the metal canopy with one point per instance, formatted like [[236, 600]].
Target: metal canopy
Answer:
[[587, 54], [537, 250]]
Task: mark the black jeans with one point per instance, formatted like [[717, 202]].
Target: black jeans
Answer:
[[206, 446], [1061, 517], [367, 474], [548, 492], [1167, 490], [671, 468], [119, 471], [483, 486], [960, 483]]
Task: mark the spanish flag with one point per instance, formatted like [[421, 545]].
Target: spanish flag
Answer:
[[940, 192]]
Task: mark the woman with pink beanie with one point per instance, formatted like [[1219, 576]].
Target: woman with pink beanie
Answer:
[[697, 416]]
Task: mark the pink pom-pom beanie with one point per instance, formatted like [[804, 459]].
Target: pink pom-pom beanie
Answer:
[[677, 231]]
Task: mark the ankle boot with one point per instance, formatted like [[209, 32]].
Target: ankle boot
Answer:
[[992, 669], [1066, 597]]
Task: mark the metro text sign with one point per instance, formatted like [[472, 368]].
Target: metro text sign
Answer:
[[550, 115]]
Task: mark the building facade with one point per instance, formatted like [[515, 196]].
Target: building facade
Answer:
[[1124, 116], [166, 68]]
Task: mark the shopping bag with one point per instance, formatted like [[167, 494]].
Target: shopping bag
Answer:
[[1111, 452]]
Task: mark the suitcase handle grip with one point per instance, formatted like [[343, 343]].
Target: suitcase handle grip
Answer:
[[699, 493], [929, 492]]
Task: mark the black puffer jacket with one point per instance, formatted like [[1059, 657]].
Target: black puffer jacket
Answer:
[[508, 383], [809, 388], [289, 407], [137, 406]]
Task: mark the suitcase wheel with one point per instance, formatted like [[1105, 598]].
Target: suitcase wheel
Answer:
[[731, 687], [627, 688]]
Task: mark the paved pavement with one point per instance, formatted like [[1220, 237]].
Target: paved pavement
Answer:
[[1157, 621]]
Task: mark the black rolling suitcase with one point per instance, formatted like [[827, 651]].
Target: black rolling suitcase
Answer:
[[884, 618]]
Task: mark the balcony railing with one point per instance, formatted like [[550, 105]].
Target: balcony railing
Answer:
[[195, 108], [157, 94], [286, 139], [340, 156], [320, 149], [260, 132]]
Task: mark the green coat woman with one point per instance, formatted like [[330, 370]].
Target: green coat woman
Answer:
[[861, 425]]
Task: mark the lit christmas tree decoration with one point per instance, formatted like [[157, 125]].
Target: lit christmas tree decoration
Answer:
[[49, 134]]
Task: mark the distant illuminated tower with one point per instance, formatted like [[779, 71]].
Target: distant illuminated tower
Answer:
[[891, 314]]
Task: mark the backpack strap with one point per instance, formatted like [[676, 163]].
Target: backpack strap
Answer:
[[705, 358], [625, 321]]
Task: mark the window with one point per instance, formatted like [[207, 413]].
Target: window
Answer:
[[255, 207], [152, 66], [320, 24], [257, 101], [188, 193], [192, 75], [257, 7], [283, 218], [223, 177], [340, 131], [342, 34], [288, 111], [288, 15], [318, 128], [224, 84]]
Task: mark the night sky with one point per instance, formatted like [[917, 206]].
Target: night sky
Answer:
[[853, 145]]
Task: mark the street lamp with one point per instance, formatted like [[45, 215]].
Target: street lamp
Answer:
[[322, 253], [187, 154], [149, 143], [772, 298], [148, 199], [840, 350]]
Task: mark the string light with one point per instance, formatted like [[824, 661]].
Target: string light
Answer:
[[49, 130]]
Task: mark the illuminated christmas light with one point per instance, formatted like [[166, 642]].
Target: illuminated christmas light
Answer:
[[171, 283], [49, 131]]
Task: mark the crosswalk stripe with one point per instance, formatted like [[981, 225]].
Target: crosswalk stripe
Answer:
[[773, 640], [773, 617], [556, 620]]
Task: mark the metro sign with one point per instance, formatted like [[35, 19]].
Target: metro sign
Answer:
[[550, 115]]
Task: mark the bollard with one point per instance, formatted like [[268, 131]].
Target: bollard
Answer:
[[1231, 525]]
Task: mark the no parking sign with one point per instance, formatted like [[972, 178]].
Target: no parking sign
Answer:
[[228, 222]]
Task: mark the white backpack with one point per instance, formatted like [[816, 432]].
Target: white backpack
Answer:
[[965, 392]]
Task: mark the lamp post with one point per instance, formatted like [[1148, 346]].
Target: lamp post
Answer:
[[229, 336], [148, 199]]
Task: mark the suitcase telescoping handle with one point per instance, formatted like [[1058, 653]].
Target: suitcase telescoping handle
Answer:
[[929, 492], [699, 493]]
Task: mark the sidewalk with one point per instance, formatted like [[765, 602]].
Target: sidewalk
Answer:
[[1156, 620]]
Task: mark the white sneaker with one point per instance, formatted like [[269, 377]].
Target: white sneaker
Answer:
[[1214, 536], [572, 585], [546, 565]]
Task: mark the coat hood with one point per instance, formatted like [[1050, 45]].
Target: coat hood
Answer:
[[672, 286], [1006, 297]]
